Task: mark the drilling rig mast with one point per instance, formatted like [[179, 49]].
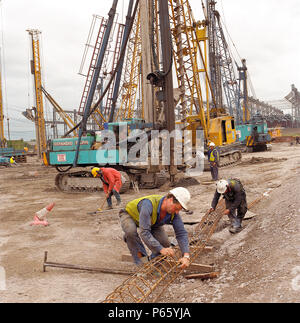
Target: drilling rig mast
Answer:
[[37, 73]]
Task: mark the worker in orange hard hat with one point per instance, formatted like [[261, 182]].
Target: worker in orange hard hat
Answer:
[[112, 183]]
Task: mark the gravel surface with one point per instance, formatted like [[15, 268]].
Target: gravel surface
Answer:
[[260, 264]]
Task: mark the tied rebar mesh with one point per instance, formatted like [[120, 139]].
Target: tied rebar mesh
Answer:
[[150, 282]]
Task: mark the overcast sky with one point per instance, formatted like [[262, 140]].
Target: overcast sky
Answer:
[[265, 32]]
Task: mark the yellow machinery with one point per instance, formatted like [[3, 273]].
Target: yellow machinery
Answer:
[[275, 132], [37, 73], [39, 91], [191, 61], [221, 129]]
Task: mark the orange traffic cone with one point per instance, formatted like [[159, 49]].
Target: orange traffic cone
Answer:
[[40, 216]]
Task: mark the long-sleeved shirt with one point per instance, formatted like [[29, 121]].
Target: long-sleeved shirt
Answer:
[[145, 209], [234, 195], [113, 178]]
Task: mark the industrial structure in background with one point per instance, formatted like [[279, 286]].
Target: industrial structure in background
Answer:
[[128, 86], [231, 84], [8, 148], [294, 98], [36, 114]]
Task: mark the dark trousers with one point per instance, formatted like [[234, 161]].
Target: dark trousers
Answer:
[[133, 240], [117, 196], [238, 214], [214, 171]]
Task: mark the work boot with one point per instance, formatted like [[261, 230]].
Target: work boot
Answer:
[[236, 225]]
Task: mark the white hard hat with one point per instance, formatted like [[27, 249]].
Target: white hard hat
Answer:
[[182, 195], [222, 186], [212, 144]]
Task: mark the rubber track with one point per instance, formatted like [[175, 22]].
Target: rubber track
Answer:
[[68, 182]]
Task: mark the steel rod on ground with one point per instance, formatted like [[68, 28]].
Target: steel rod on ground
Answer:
[[84, 268]]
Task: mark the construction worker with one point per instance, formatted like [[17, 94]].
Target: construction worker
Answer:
[[255, 135], [235, 200], [12, 161], [150, 213], [214, 160], [112, 183]]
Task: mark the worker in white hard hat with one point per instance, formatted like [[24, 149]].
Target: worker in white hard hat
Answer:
[[235, 199], [214, 161], [150, 214]]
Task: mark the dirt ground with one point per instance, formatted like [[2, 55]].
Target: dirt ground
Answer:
[[260, 264]]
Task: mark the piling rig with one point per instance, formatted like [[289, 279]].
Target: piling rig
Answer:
[[154, 44], [83, 151]]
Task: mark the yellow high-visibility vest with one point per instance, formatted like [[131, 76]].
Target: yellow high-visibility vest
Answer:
[[212, 157], [132, 208]]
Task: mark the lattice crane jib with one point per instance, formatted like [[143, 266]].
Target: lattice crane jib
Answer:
[[64, 116], [91, 69], [214, 64], [37, 73], [223, 78], [131, 73], [190, 62]]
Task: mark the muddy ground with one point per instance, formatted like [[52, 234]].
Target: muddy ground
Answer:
[[260, 264]]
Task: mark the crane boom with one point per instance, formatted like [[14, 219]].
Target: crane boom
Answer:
[[66, 118]]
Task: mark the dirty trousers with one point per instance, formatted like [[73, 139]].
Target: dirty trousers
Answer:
[[236, 217], [214, 172], [117, 196], [133, 240]]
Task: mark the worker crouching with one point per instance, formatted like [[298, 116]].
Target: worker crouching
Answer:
[[150, 214], [235, 199], [112, 183]]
